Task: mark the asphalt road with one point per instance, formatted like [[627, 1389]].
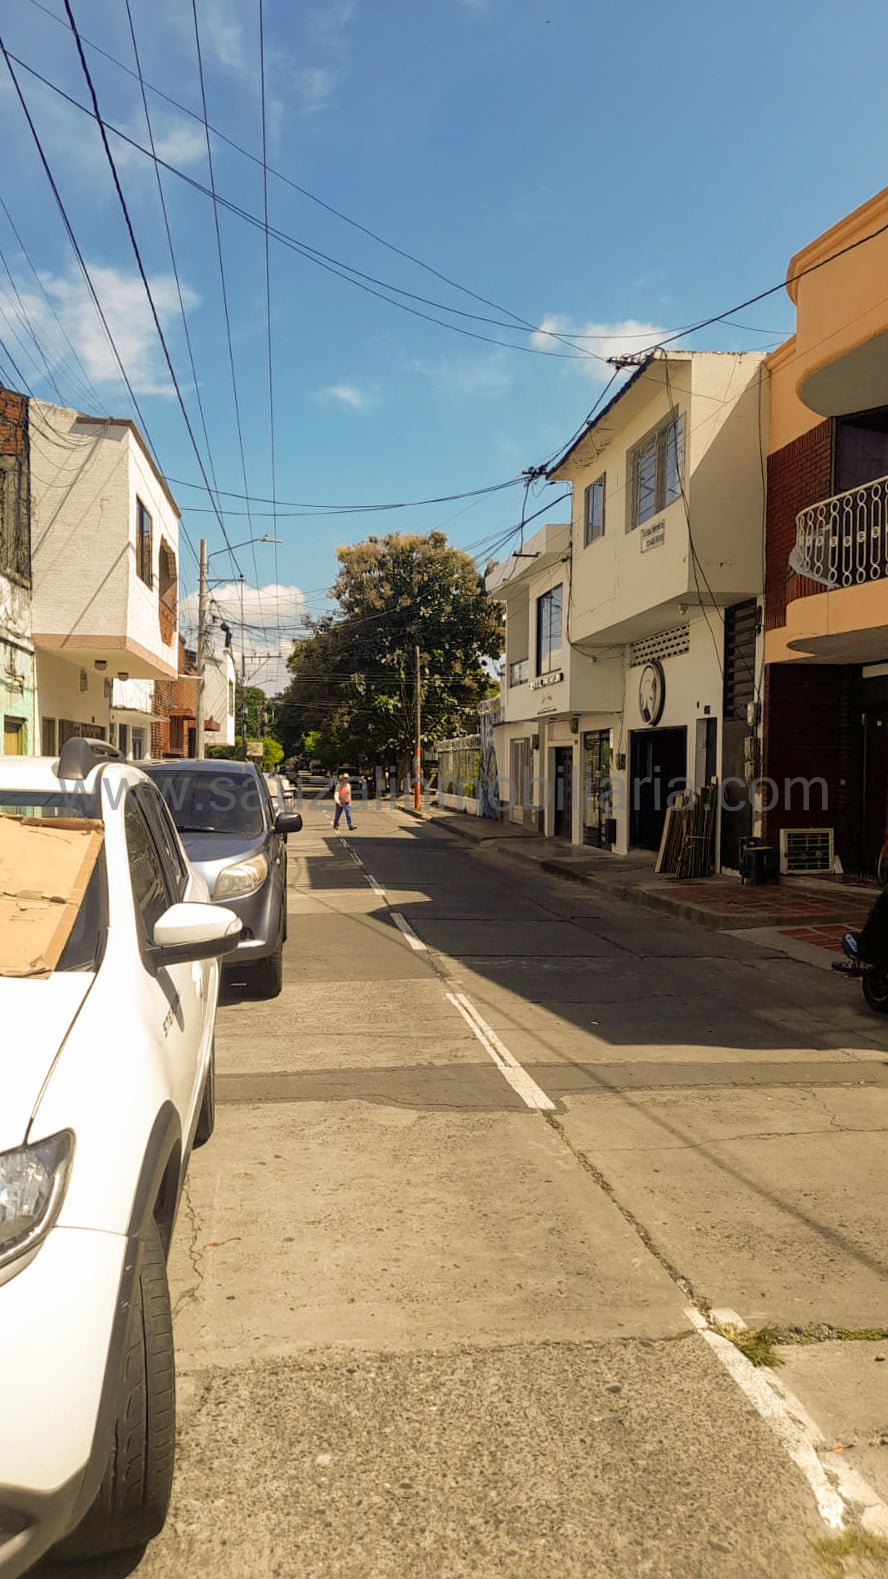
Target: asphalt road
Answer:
[[426, 1329]]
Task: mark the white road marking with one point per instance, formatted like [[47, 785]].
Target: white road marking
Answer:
[[379, 892], [839, 1491], [506, 1063], [406, 928]]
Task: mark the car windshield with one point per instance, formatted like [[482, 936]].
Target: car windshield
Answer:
[[213, 802]]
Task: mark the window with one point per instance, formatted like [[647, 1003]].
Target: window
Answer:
[[167, 591], [655, 469], [594, 522], [519, 673], [146, 872], [48, 737], [159, 821], [144, 527], [548, 630]]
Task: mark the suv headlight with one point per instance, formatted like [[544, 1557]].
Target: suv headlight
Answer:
[[242, 877], [33, 1180]]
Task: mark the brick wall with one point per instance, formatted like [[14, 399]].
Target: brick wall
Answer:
[[174, 696], [798, 475], [812, 731], [15, 506]]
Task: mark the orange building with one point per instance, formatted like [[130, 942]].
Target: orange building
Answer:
[[826, 583]]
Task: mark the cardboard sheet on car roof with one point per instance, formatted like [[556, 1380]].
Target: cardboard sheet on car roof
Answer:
[[45, 865]]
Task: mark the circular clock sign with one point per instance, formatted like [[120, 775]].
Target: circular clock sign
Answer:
[[652, 692]]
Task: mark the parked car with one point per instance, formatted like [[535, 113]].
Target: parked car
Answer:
[[109, 977], [237, 839]]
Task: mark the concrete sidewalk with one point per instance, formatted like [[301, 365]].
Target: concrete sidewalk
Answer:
[[806, 920]]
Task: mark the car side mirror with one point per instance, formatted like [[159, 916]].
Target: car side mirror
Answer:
[[288, 822], [192, 931]]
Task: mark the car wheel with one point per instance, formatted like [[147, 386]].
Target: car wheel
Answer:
[[134, 1496], [268, 975], [875, 990], [207, 1121]]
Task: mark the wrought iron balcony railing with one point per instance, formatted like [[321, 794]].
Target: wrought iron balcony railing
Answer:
[[843, 541]]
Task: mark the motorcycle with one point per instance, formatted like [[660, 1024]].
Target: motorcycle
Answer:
[[866, 956]]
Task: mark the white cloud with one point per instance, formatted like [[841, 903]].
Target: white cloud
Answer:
[[129, 319], [344, 395], [221, 34], [625, 338], [486, 376], [177, 140], [266, 623]]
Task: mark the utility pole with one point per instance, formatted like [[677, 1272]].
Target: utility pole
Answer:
[[243, 671], [201, 650], [417, 767]]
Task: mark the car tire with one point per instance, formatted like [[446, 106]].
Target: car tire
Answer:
[[132, 1501], [875, 990], [268, 975], [206, 1122]]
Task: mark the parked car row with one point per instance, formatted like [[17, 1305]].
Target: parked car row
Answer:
[[122, 894]]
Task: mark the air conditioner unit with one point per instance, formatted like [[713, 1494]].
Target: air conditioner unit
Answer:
[[804, 851]]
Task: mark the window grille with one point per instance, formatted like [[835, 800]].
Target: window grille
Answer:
[[665, 644]]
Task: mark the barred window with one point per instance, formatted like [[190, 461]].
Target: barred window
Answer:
[[655, 471], [15, 536]]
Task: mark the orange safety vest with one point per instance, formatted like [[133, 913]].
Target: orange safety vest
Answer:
[[345, 793]]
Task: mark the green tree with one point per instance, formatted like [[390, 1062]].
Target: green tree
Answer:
[[354, 675]]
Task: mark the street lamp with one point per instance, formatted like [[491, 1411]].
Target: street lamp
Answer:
[[202, 634]]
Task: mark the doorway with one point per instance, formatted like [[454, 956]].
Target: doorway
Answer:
[[13, 737], [658, 766], [563, 824]]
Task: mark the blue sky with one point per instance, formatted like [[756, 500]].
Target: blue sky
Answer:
[[614, 172]]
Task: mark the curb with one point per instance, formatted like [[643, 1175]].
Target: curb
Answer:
[[510, 849]]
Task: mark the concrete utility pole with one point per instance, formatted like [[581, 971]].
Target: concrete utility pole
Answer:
[[201, 650], [243, 670], [417, 767]]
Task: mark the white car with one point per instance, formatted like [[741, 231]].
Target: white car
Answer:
[[109, 977]]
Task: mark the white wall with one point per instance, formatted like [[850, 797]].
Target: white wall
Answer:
[[219, 675], [59, 694], [84, 481], [621, 589]]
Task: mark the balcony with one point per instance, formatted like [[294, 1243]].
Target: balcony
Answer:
[[843, 541]]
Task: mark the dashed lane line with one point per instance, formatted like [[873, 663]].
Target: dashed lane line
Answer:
[[405, 927], [508, 1066]]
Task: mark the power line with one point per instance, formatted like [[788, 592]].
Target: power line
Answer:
[[267, 271], [140, 264], [87, 384], [349, 509], [335, 266], [169, 237]]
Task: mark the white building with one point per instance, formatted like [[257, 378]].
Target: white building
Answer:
[[633, 654], [16, 644], [105, 550], [220, 725]]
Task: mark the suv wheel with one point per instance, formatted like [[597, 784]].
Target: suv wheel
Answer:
[[134, 1496], [268, 975]]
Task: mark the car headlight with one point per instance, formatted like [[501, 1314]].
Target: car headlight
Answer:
[[242, 877], [33, 1180]]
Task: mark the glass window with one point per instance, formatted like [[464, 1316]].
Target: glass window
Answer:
[[165, 837], [49, 803], [548, 629], [146, 872], [597, 808], [144, 526], [655, 471], [594, 524]]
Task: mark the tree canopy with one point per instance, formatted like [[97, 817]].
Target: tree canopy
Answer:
[[353, 686]]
